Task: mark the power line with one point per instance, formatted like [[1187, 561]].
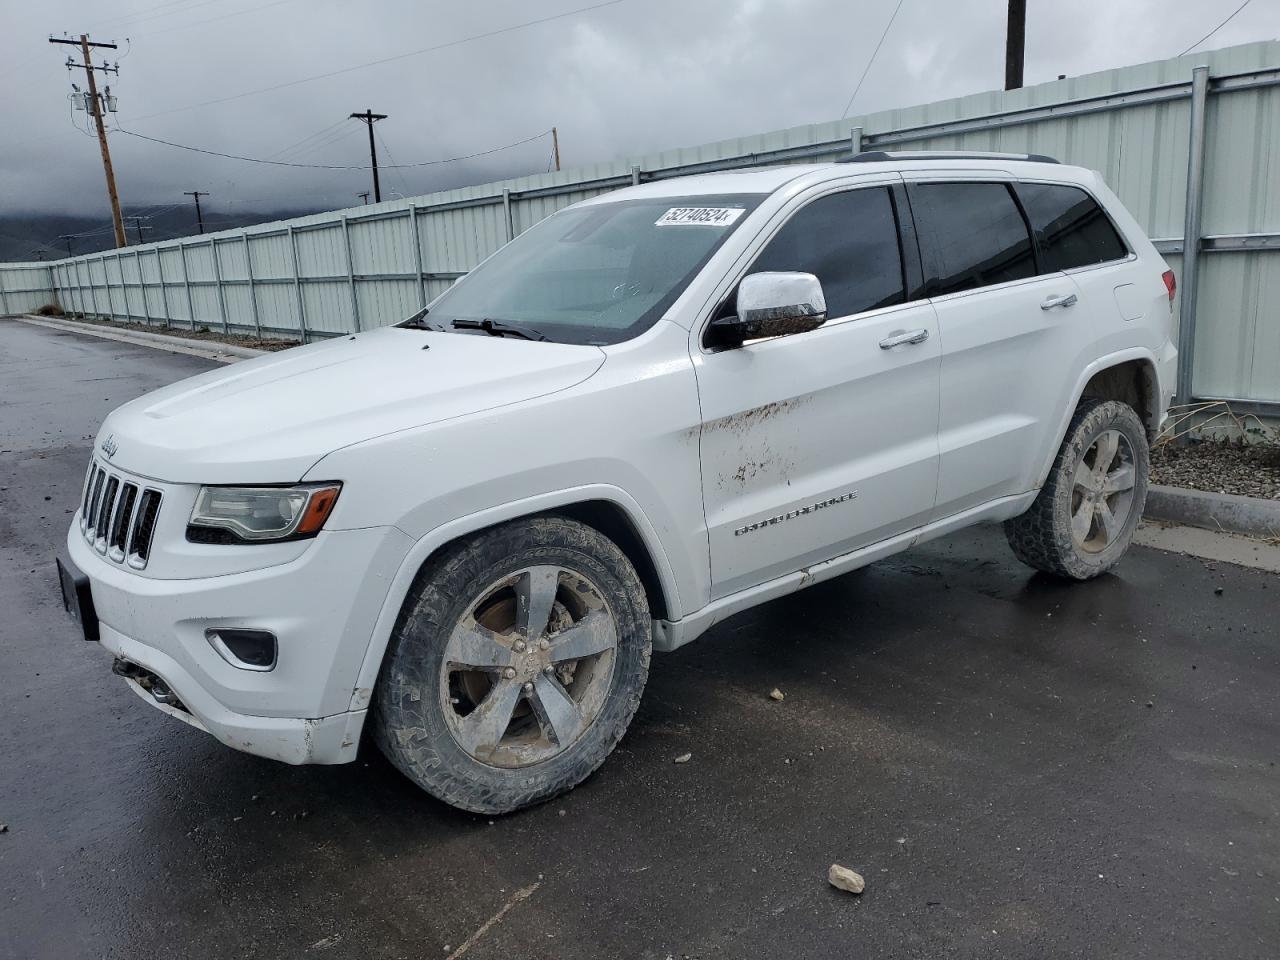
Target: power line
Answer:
[[399, 56], [335, 166], [874, 53], [198, 23], [1217, 28], [393, 165]]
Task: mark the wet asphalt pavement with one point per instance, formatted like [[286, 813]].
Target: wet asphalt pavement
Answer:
[[1019, 768]]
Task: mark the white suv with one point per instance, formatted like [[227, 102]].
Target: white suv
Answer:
[[653, 409]]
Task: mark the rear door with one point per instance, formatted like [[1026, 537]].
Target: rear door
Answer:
[[816, 444], [1012, 339]]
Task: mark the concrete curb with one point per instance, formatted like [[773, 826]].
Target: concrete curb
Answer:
[[225, 352], [1214, 511]]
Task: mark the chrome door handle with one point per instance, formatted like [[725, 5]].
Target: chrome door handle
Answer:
[[898, 339], [1065, 300]]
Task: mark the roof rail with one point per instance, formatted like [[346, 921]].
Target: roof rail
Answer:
[[883, 156]]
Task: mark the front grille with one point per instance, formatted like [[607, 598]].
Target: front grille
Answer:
[[118, 517]]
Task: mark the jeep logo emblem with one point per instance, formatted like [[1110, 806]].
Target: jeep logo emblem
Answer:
[[109, 446]]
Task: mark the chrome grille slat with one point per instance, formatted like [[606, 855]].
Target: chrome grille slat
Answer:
[[109, 496], [118, 516], [96, 502]]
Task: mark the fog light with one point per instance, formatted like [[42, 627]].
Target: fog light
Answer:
[[245, 649]]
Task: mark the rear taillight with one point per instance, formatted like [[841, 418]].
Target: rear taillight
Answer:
[[1170, 283]]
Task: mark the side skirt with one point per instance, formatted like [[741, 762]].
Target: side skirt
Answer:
[[671, 634]]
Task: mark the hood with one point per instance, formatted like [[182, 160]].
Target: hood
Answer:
[[267, 420]]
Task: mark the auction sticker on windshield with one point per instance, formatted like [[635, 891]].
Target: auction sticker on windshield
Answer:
[[699, 217]]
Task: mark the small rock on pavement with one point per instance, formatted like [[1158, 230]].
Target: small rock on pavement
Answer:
[[684, 758], [4, 828], [842, 878], [776, 694]]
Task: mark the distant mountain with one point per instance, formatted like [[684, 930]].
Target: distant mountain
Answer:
[[35, 236]]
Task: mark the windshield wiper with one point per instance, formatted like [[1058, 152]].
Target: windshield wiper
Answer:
[[498, 328], [419, 321]]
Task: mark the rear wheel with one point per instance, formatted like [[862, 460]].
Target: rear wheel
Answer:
[[1083, 519], [516, 667]]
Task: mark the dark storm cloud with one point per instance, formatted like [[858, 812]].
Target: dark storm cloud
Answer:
[[630, 78]]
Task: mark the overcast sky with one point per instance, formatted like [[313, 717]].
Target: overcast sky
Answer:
[[627, 78]]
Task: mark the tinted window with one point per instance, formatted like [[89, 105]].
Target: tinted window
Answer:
[[849, 241], [1073, 230], [971, 235]]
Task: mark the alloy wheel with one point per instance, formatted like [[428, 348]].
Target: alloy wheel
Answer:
[[528, 668], [1102, 492]]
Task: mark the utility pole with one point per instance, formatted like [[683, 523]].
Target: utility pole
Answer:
[[138, 227], [555, 146], [67, 237], [369, 118], [1014, 43], [197, 194], [95, 104], [364, 196]]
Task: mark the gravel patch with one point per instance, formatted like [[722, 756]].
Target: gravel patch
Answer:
[[186, 333], [1248, 470]]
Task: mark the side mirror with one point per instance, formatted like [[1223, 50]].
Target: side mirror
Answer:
[[772, 305]]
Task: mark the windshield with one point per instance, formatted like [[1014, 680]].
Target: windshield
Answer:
[[598, 274]]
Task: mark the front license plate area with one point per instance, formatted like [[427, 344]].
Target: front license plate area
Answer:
[[77, 599]]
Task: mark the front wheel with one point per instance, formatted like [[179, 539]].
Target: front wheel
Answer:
[[516, 667], [1083, 519]]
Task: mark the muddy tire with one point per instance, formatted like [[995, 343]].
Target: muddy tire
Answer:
[[1082, 522], [516, 665]]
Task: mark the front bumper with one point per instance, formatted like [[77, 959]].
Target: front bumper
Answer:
[[321, 606]]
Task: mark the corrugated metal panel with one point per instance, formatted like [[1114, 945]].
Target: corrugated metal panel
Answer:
[[1140, 147]]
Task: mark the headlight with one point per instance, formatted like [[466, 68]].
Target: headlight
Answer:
[[254, 514]]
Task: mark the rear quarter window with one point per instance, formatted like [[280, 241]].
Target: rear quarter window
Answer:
[[1072, 228]]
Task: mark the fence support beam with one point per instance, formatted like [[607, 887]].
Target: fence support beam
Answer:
[[506, 214], [142, 286], [1190, 280], [164, 290], [4, 300], [186, 283], [351, 273], [297, 286], [253, 292], [855, 141], [417, 255], [217, 278], [124, 289], [93, 288], [635, 175]]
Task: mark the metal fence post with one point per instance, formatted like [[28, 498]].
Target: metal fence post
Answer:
[[253, 292], [1191, 235], [855, 141], [93, 288], [106, 278], [186, 283], [4, 300], [164, 289], [417, 254], [351, 273], [142, 286], [635, 175], [217, 279], [506, 214], [297, 286], [124, 290]]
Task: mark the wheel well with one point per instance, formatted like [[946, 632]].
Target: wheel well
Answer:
[[611, 520], [1132, 382]]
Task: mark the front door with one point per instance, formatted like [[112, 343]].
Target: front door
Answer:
[[816, 444]]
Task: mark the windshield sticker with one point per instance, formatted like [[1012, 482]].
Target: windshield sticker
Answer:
[[699, 217]]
